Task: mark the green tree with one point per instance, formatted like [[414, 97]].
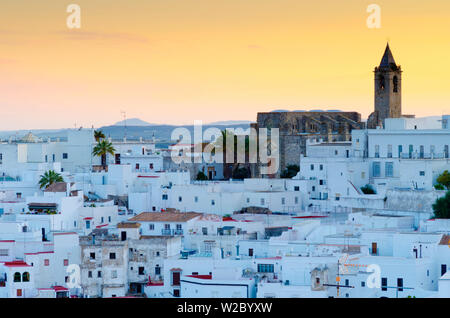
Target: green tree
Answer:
[[201, 176], [241, 173], [444, 179], [98, 135], [290, 172], [367, 189], [441, 207], [103, 148], [48, 178]]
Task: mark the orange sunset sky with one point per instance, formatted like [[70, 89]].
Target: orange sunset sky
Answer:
[[175, 61]]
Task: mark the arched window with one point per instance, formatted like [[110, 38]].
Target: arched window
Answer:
[[395, 82], [381, 84], [26, 277], [17, 277]]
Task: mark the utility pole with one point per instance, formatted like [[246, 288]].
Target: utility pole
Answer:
[[338, 280]]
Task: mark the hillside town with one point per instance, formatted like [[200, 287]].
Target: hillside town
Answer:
[[355, 209]]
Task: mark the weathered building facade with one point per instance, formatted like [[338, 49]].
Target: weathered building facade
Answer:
[[295, 128]]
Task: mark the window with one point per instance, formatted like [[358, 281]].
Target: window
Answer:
[[102, 219], [421, 173], [389, 169], [377, 151], [363, 284], [88, 224], [176, 278], [180, 199], [66, 262], [336, 152], [376, 169], [265, 268], [141, 270], [92, 255], [65, 155], [204, 230], [384, 284], [321, 167], [99, 274], [389, 152], [262, 201], [195, 199], [18, 195], [250, 252], [137, 166], [165, 196], [109, 218], [90, 274], [151, 227], [395, 83], [443, 269], [400, 284], [112, 255], [296, 200], [114, 274], [17, 277], [312, 167], [313, 188], [176, 293], [296, 188], [248, 200], [321, 182], [283, 201], [151, 166], [46, 262], [167, 226], [213, 202], [400, 150], [157, 270], [4, 252], [19, 293], [179, 227]]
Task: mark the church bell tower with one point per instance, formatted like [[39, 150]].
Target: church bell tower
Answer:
[[388, 90]]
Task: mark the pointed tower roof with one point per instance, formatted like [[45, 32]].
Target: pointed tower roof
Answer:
[[388, 58]]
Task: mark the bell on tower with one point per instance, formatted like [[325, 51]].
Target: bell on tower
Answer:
[[388, 89]]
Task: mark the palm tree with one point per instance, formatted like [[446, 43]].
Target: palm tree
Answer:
[[48, 178], [98, 134], [103, 148]]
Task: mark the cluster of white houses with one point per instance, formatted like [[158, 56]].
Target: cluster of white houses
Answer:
[[140, 229]]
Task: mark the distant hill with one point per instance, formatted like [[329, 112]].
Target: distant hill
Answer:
[[230, 122], [161, 132], [133, 122]]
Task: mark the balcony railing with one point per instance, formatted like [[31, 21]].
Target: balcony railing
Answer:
[[171, 232]]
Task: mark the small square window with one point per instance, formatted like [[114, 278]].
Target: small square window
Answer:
[[112, 255], [46, 262], [66, 262]]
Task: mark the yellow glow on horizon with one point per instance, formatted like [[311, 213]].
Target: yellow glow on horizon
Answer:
[[176, 61]]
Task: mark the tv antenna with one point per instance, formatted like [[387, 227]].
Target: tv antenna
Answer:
[[124, 122]]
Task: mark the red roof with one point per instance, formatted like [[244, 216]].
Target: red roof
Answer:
[[200, 276], [17, 264], [60, 288], [88, 218], [309, 217], [100, 226]]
